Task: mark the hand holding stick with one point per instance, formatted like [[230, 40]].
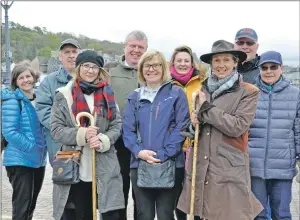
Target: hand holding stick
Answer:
[[94, 195]]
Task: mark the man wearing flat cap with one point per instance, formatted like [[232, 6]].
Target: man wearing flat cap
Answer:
[[246, 40], [68, 51]]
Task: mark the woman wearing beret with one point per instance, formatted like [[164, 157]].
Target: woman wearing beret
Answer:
[[88, 92], [227, 108]]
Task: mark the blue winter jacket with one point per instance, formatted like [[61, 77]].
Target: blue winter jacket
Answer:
[[22, 130], [45, 95], [274, 136], [160, 124]]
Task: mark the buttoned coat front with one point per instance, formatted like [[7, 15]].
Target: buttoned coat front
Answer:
[[223, 189]]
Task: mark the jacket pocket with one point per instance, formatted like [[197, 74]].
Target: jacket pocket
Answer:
[[107, 165], [235, 157]]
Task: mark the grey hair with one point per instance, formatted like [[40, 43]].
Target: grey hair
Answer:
[[137, 34]]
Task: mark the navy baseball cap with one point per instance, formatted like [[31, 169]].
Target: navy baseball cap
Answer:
[[270, 57], [248, 33]]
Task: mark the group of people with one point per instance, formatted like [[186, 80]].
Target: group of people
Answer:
[[145, 118]]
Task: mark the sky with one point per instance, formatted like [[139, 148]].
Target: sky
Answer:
[[170, 24]]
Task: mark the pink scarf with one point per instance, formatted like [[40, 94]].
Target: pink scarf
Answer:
[[182, 78]]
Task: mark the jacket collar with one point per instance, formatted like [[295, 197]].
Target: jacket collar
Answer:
[[195, 76], [249, 65], [121, 63], [277, 87], [7, 93], [61, 76]]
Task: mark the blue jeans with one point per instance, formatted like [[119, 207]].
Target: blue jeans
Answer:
[[269, 211], [279, 193]]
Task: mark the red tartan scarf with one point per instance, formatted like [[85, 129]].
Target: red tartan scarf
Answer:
[[104, 100]]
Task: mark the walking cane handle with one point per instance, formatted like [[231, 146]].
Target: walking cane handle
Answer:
[[85, 114]]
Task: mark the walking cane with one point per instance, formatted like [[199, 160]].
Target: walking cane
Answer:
[[94, 196], [195, 108]]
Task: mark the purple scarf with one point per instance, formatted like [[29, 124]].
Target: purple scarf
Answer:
[[182, 78]]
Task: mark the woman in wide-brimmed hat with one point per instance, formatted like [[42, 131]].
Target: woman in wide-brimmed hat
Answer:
[[227, 108]]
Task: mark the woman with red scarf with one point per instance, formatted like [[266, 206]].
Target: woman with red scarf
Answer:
[[89, 92], [185, 73]]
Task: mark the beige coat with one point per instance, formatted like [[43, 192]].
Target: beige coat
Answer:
[[223, 189], [108, 176]]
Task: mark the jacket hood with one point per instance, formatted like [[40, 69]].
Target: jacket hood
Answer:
[[7, 94]]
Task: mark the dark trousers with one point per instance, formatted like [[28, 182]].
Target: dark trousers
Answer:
[[68, 214], [180, 215], [26, 183], [81, 194], [279, 193], [163, 200], [124, 156]]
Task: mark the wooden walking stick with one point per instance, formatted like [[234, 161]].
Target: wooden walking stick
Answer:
[[195, 105], [94, 195]]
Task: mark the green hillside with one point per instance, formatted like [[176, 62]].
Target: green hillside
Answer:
[[27, 43]]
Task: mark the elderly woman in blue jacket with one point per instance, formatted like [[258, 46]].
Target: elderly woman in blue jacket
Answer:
[[154, 116], [24, 155], [274, 138]]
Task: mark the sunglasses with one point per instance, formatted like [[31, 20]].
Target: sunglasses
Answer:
[[272, 67], [241, 43]]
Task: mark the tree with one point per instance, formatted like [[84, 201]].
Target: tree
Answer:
[[45, 52], [53, 41], [38, 30]]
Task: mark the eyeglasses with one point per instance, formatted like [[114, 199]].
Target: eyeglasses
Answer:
[[241, 43], [155, 66], [272, 67], [87, 67]]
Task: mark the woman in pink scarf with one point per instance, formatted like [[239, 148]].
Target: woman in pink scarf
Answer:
[[186, 74]]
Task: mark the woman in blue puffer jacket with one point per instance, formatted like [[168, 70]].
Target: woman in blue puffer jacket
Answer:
[[25, 153]]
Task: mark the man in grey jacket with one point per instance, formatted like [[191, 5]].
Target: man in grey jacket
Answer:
[[246, 40], [45, 94], [124, 80]]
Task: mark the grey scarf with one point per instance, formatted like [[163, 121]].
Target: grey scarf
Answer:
[[216, 86]]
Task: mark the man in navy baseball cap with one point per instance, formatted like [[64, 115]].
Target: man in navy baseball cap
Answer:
[[246, 33], [246, 40]]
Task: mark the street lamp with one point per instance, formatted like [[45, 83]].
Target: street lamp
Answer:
[[6, 5]]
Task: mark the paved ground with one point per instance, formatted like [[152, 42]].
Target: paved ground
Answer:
[[43, 209]]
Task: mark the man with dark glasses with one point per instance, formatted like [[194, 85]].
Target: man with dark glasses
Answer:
[[274, 138], [246, 41]]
